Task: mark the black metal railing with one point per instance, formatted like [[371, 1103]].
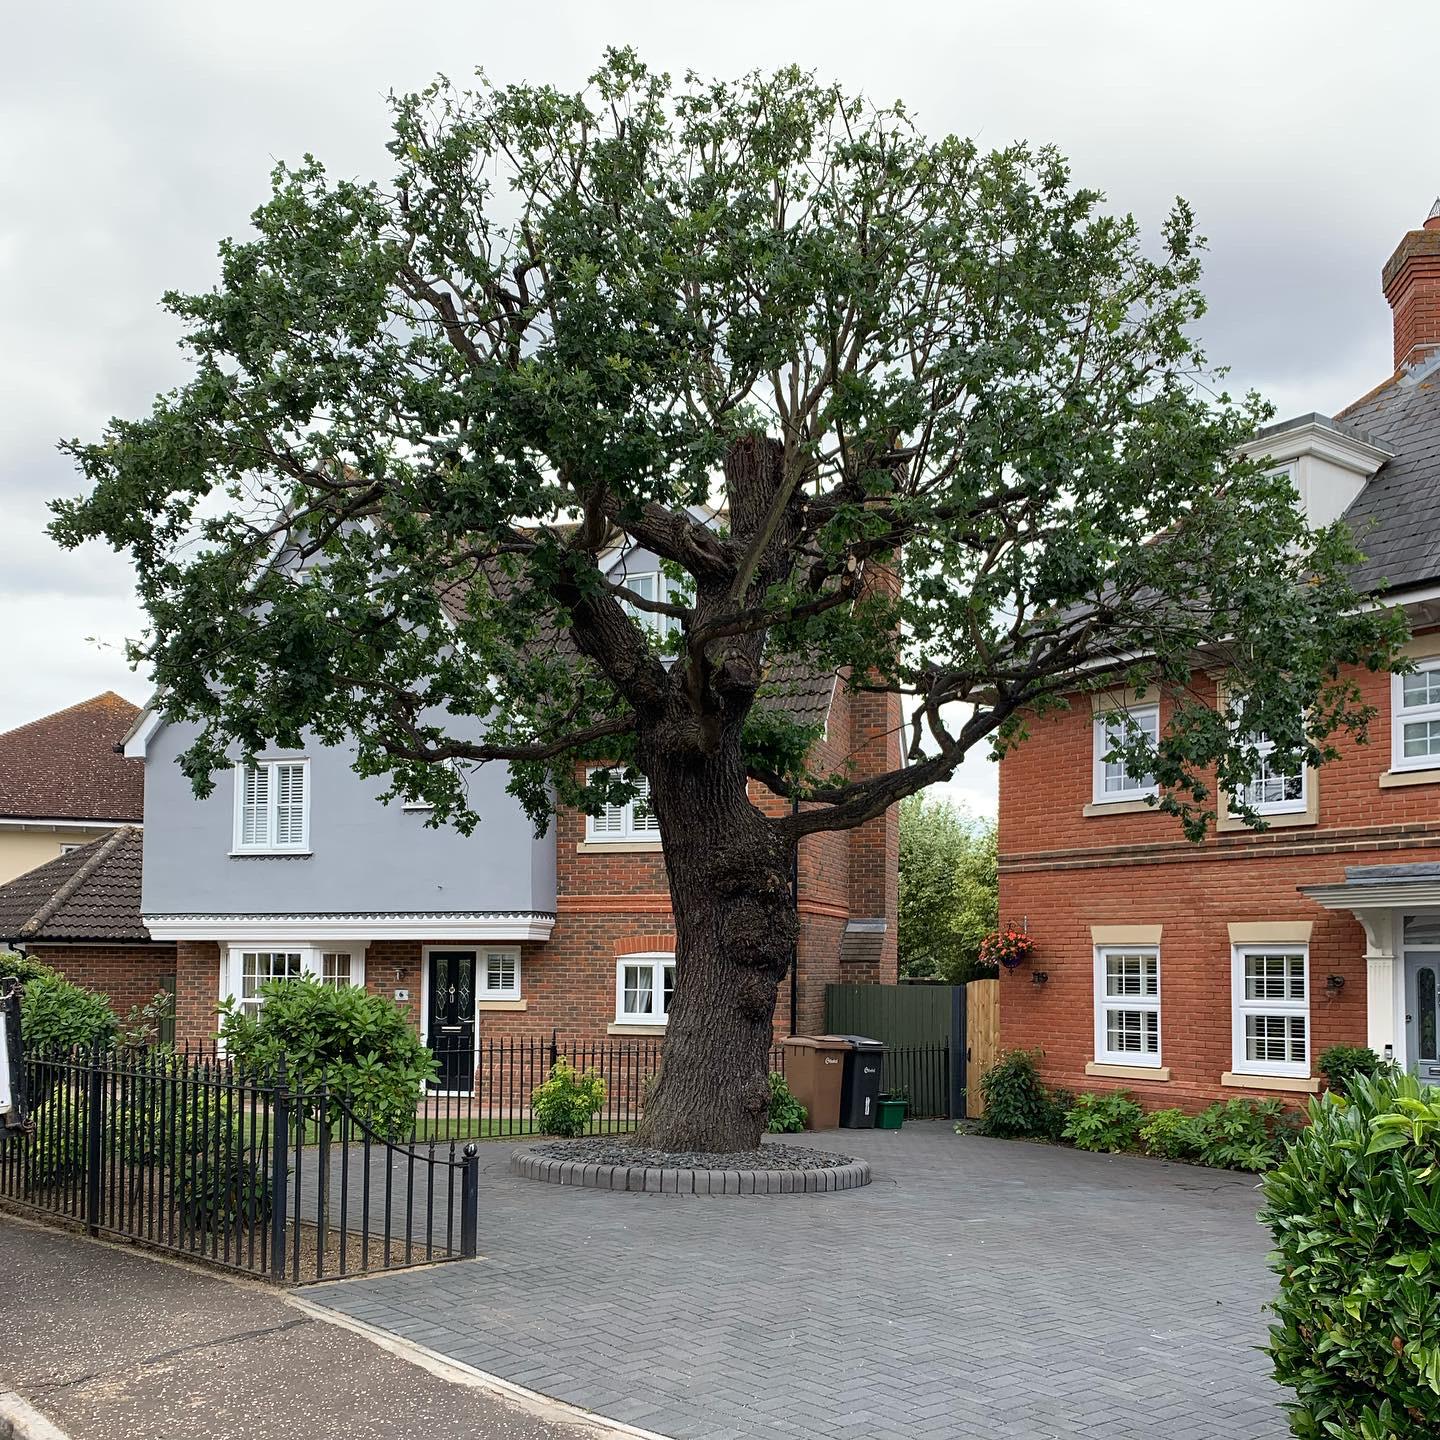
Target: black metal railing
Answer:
[[507, 1070], [187, 1153]]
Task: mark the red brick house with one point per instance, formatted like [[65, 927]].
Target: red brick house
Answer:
[[1188, 973]]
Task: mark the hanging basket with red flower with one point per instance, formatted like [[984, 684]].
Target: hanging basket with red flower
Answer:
[[1005, 947]]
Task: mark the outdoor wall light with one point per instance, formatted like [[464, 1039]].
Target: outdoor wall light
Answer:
[[1039, 977], [1334, 983]]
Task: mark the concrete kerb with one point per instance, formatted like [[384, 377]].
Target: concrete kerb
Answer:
[[20, 1420], [457, 1372], [641, 1178]]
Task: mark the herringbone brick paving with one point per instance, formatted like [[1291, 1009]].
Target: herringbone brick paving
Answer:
[[977, 1290]]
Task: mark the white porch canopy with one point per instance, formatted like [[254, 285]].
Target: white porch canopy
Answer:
[[1380, 897]]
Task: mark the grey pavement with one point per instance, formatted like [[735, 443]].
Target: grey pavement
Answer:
[[978, 1288], [113, 1344]]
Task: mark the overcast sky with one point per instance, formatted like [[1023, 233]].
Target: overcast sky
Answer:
[[134, 136]]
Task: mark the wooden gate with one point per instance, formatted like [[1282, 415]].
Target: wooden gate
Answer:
[[982, 1039]]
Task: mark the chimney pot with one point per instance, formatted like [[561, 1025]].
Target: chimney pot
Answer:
[[1432, 220]]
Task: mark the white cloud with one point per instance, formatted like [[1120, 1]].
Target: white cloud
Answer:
[[132, 138]]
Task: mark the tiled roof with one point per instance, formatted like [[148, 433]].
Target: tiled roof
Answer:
[[1396, 517], [93, 893], [64, 766]]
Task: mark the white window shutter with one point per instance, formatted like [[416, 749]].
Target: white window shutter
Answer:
[[254, 804], [290, 806], [644, 822]]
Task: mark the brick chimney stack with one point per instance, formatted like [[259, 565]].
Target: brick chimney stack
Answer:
[[1411, 282]]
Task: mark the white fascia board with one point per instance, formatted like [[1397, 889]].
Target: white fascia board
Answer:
[[1311, 438], [135, 743], [1376, 896], [475, 925], [10, 822]]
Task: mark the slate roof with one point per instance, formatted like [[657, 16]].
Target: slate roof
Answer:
[[64, 766], [93, 894], [1396, 517]]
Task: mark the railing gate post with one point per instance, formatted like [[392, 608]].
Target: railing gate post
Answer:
[[469, 1201], [279, 1176], [94, 1120]]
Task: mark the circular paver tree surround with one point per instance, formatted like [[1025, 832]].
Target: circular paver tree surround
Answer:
[[614, 1165]]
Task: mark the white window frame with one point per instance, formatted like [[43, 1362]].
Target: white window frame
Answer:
[[1241, 1008], [658, 961], [660, 587], [1266, 747], [1144, 1004], [312, 962], [513, 991], [1400, 716], [1103, 744], [619, 821], [272, 804]]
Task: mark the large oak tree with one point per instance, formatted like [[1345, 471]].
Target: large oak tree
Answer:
[[777, 336]]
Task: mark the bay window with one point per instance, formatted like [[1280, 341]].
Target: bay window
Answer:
[[248, 967]]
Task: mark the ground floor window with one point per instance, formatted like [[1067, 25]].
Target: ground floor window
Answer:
[[1127, 1004], [501, 975], [247, 968], [644, 985], [1270, 1010]]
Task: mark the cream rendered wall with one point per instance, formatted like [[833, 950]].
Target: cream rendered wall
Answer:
[[22, 850]]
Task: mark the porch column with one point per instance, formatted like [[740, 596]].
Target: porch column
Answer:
[[1381, 1005]]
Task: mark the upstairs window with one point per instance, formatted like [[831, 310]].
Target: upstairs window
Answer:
[[632, 821], [1272, 792], [644, 987], [1415, 718], [1127, 1005], [655, 585], [1113, 782], [1270, 1010], [272, 806]]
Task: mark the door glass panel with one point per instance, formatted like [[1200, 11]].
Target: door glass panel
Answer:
[[1425, 1006]]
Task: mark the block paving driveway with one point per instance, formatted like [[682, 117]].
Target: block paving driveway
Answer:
[[977, 1288]]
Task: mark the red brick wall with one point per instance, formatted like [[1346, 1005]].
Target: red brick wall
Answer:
[[197, 990], [128, 975], [1063, 872], [1411, 281]]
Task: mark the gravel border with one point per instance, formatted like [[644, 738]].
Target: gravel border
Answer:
[[534, 1164]]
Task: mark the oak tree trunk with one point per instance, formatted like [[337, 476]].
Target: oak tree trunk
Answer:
[[735, 925]]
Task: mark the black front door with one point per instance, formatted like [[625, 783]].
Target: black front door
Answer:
[[452, 1017]]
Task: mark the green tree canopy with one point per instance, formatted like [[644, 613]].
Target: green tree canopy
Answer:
[[774, 334], [949, 890]]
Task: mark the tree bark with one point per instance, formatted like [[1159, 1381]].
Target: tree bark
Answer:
[[735, 925]]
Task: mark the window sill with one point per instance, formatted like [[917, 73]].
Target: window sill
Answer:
[[1297, 1084], [1278, 820], [619, 847], [1409, 777], [1117, 807], [511, 1005], [1108, 1071], [631, 1028], [270, 854]]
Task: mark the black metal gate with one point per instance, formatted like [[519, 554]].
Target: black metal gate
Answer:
[[185, 1153]]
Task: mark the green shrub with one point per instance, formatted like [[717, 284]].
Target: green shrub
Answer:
[[787, 1114], [21, 967], [1171, 1134], [142, 1024], [225, 1190], [57, 1148], [1341, 1063], [359, 1046], [1017, 1104], [568, 1101], [1103, 1122], [1243, 1134], [1355, 1213], [57, 1016]]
